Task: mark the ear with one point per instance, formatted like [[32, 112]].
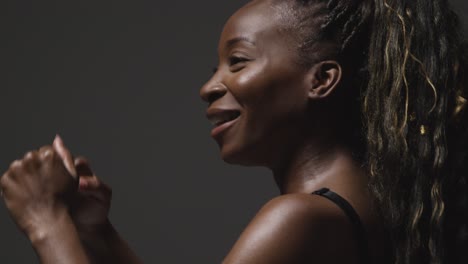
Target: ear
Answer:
[[323, 78]]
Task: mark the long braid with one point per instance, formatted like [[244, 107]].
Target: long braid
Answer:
[[410, 74], [432, 55]]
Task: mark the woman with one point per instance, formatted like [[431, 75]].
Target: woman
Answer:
[[357, 107]]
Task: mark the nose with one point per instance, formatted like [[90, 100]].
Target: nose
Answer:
[[212, 91]]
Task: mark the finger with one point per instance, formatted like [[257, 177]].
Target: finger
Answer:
[[93, 183], [82, 167], [7, 183], [80, 160], [31, 155], [89, 182], [65, 154], [46, 151], [98, 196], [15, 167], [31, 160], [3, 183]]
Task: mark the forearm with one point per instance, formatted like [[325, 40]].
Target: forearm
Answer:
[[107, 246], [58, 242]]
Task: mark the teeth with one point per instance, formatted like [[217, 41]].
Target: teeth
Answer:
[[223, 118]]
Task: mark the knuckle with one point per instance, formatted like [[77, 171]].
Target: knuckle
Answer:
[[15, 165], [81, 160], [30, 156], [3, 180], [47, 152]]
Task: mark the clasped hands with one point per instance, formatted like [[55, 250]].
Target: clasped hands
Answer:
[[48, 184]]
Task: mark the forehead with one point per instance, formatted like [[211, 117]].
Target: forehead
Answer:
[[258, 21]]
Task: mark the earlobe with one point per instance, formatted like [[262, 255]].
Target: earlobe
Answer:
[[324, 78]]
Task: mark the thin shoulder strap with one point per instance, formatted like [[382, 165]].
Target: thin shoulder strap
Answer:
[[359, 230]]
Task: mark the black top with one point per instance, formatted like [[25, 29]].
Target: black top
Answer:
[[359, 231]]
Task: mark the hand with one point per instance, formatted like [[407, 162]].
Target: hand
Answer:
[[89, 211], [37, 190], [90, 207]]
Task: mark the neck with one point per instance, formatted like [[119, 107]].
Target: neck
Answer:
[[315, 164]]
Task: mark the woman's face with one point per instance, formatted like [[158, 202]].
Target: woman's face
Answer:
[[257, 96]]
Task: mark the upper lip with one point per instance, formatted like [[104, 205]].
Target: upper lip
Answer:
[[218, 116]]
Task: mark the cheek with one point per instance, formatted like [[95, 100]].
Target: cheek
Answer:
[[271, 97], [250, 83], [266, 90]]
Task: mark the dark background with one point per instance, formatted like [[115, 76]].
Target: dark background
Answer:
[[119, 80]]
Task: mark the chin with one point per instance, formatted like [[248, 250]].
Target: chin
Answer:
[[236, 155]]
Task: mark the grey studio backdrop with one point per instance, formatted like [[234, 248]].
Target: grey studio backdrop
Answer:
[[119, 80]]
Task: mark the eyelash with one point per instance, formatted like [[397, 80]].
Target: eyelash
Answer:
[[233, 60]]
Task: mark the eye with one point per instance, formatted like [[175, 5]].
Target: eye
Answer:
[[233, 60], [237, 63]]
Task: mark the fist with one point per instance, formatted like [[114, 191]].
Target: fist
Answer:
[[36, 189], [90, 209]]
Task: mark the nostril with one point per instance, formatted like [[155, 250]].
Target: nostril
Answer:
[[215, 95], [211, 92]]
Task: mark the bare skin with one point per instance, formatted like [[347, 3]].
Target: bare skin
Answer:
[[37, 192], [62, 207], [280, 122], [258, 76]]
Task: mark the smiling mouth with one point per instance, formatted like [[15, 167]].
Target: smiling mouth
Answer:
[[224, 117]]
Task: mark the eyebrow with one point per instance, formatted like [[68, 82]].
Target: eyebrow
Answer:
[[235, 40]]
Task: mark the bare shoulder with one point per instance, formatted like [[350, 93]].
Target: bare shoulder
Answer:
[[296, 228]]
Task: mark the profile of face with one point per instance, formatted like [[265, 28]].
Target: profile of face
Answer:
[[259, 94]]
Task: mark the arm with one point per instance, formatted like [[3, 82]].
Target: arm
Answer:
[[35, 190], [40, 192], [104, 245], [58, 241], [296, 228]]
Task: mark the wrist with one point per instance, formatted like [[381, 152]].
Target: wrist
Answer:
[[48, 225], [101, 243], [57, 241], [95, 232], [98, 240]]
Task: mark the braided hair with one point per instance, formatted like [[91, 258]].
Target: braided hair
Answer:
[[405, 62]]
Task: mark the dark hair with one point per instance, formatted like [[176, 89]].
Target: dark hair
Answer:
[[407, 63]]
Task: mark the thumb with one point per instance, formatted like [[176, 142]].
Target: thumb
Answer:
[[65, 154]]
